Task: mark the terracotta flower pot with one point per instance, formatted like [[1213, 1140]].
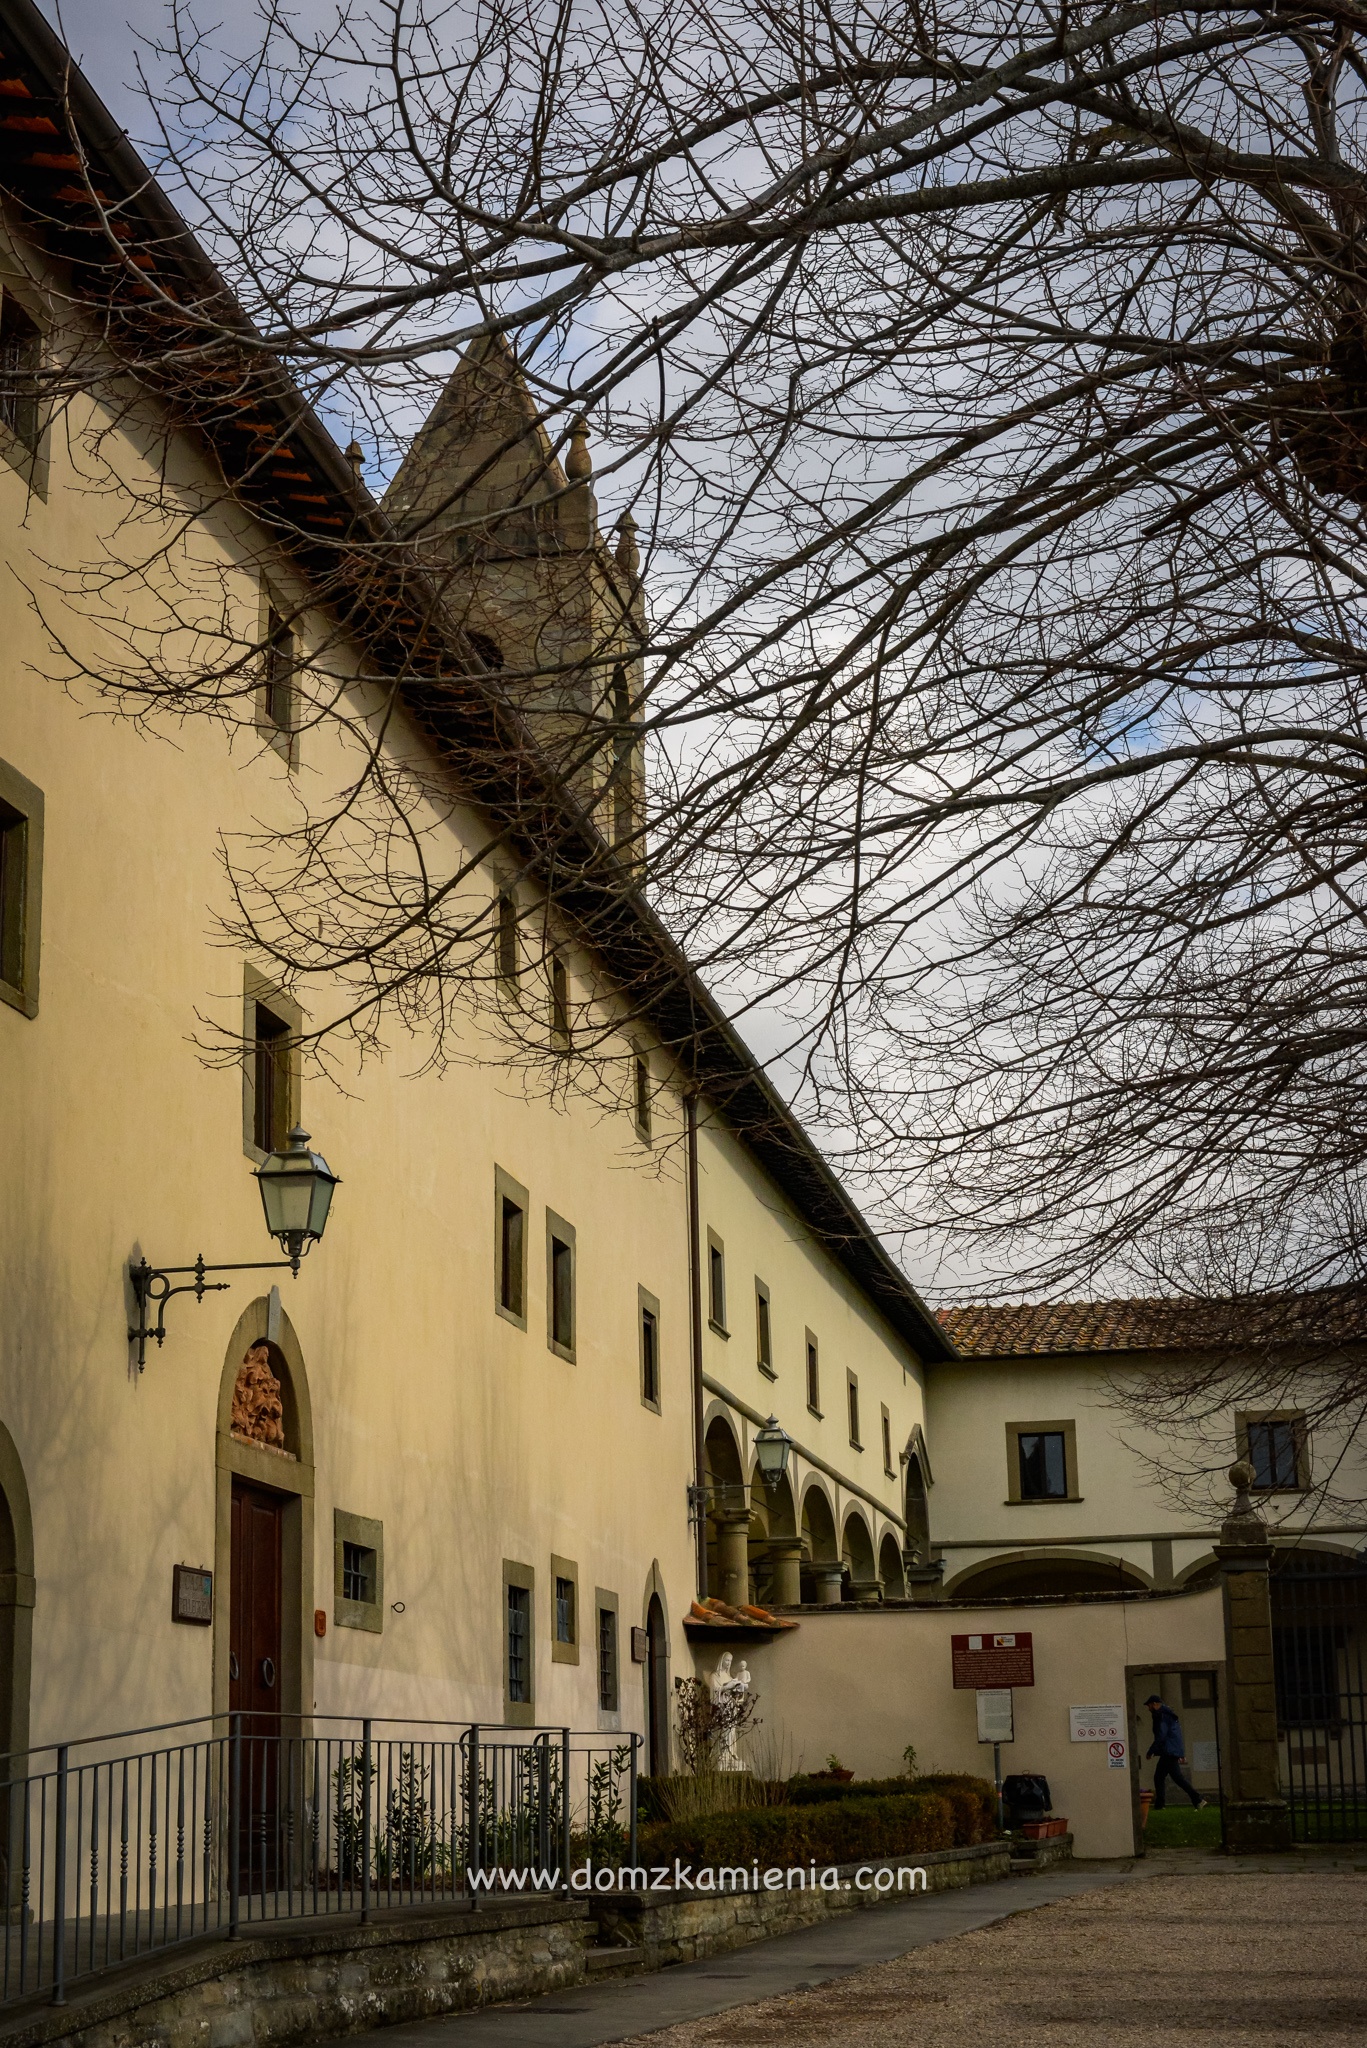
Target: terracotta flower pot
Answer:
[[1145, 1802]]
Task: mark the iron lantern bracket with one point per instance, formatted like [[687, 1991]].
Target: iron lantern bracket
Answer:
[[152, 1287]]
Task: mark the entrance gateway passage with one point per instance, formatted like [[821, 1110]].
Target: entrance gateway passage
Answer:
[[1319, 1644]]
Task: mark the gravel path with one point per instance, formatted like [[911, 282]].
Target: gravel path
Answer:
[[1261, 1959]]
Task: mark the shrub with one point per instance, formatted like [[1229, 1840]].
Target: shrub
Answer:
[[845, 1831], [973, 1801]]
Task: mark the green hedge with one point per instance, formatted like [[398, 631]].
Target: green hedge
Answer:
[[843, 1831], [973, 1801]]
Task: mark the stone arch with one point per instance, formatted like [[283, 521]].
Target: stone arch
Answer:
[[264, 1329], [725, 1465], [1034, 1574], [856, 1549], [917, 1503], [17, 1589], [890, 1568], [656, 1690], [818, 1524], [1203, 1571]]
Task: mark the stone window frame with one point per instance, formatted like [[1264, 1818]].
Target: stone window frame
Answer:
[[257, 989], [642, 1095], [764, 1329], [716, 1284], [565, 1653], [518, 1713], [1014, 1432], [852, 1409], [605, 1602], [557, 1229], [23, 800], [506, 1189], [1296, 1417], [885, 1424], [30, 464], [369, 1534], [648, 1304]]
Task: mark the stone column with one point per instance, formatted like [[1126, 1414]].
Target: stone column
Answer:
[[1256, 1814], [828, 1582], [785, 1557], [733, 1555], [867, 1592], [924, 1581]]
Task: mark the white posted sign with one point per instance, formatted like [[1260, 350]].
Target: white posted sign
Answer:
[[1097, 1724], [995, 1722]]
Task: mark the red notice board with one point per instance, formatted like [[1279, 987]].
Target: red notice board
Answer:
[[989, 1661]]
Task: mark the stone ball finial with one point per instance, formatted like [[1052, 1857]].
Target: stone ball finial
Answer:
[[578, 465], [1241, 1476]]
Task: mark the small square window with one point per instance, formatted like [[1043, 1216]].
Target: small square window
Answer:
[[519, 1615], [607, 1660], [813, 1375], [1274, 1452], [358, 1573], [1043, 1465], [564, 1610], [764, 1334]]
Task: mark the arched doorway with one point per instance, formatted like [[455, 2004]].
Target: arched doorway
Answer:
[[657, 1689], [890, 1569], [263, 1559], [918, 1513], [16, 1646]]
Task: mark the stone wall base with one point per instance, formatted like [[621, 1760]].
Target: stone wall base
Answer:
[[312, 1982], [1255, 1825]]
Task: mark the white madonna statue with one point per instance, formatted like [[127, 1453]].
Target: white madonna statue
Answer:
[[728, 1688]]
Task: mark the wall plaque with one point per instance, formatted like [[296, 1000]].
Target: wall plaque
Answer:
[[640, 1646], [985, 1663], [192, 1595]]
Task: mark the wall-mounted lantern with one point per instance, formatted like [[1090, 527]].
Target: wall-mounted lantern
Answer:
[[296, 1194], [773, 1448]]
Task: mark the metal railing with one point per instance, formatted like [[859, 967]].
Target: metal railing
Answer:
[[124, 1846]]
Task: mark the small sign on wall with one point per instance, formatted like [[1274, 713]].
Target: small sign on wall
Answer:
[[192, 1595], [1117, 1755], [1097, 1724], [996, 1722], [640, 1646], [992, 1661]]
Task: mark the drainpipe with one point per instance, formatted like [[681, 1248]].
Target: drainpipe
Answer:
[[695, 1335]]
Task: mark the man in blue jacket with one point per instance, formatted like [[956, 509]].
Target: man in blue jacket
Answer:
[[1170, 1749]]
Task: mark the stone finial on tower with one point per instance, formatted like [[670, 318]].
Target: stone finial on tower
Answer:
[[355, 455], [578, 464], [628, 556]]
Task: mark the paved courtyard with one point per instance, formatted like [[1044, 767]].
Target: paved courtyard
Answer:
[[1258, 1958]]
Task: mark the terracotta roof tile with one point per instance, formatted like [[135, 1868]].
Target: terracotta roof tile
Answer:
[[1045, 1329]]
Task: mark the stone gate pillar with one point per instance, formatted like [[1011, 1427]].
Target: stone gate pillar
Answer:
[[1256, 1814]]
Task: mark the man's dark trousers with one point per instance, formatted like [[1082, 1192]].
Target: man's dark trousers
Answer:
[[1171, 1767]]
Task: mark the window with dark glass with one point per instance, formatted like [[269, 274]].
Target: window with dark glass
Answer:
[[716, 1284], [813, 1376], [1043, 1465], [764, 1336], [562, 1293], [564, 1610], [642, 1098], [511, 1255], [358, 1572], [271, 1076], [560, 1003], [607, 1659], [887, 1441], [1274, 1454], [852, 1392], [650, 1357], [507, 937], [14, 844], [21, 359], [519, 1644], [279, 684]]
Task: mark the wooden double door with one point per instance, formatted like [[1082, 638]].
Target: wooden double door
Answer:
[[255, 1643]]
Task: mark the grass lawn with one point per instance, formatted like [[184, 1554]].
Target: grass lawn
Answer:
[[1183, 1827]]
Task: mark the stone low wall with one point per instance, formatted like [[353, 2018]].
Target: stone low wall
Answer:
[[317, 1981], [681, 1927]]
